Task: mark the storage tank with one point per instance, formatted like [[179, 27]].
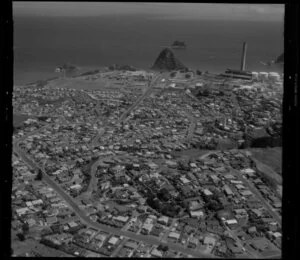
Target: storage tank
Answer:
[[263, 75], [254, 74], [274, 76]]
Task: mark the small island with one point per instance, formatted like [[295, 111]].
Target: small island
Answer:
[[179, 45]]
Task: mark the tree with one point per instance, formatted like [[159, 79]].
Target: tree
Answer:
[[162, 248], [198, 72], [25, 228], [39, 176], [163, 194], [173, 74], [213, 205], [21, 237], [67, 68]]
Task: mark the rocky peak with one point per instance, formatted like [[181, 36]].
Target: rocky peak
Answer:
[[166, 60]]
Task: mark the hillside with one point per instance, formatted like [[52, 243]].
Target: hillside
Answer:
[[166, 60]]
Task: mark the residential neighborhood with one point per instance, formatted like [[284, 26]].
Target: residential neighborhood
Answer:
[[143, 164]]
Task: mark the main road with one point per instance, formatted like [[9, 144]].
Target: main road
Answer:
[[139, 100], [125, 114]]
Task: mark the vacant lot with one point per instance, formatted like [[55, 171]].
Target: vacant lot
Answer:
[[21, 248], [18, 119], [269, 156]]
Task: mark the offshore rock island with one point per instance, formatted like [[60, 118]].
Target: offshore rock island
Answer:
[[168, 162], [179, 45], [166, 61]]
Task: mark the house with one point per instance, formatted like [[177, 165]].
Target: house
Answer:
[[152, 165], [113, 240], [156, 253], [101, 238], [28, 204], [197, 214], [272, 226], [248, 171], [174, 235], [246, 193], [147, 227], [171, 164], [193, 241], [37, 202], [191, 176], [31, 222], [163, 220], [86, 202], [132, 244], [193, 165], [75, 187], [252, 230], [236, 182], [229, 176], [277, 235], [22, 211], [195, 205], [184, 180], [207, 192], [277, 205], [239, 187], [232, 223], [209, 241], [72, 224], [51, 220], [214, 178], [257, 212], [121, 219], [240, 211], [227, 190]]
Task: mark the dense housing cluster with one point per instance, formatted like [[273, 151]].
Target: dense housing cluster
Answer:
[[142, 164]]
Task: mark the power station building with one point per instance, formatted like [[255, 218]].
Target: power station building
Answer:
[[239, 74]]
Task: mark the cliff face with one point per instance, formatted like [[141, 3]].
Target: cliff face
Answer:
[[280, 59], [166, 61]]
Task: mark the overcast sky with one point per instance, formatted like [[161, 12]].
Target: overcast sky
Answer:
[[187, 11]]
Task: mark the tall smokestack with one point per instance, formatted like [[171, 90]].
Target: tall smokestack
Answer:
[[243, 62]]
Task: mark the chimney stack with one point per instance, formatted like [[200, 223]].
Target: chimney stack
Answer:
[[243, 62]]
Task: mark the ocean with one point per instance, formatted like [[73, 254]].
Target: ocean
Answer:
[[43, 43]]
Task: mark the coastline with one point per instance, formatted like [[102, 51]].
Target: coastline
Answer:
[[31, 77]]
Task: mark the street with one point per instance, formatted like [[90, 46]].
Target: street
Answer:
[[86, 220]]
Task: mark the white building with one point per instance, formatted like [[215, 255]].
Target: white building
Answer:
[[197, 214], [174, 235]]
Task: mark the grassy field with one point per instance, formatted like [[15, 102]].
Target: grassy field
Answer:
[[191, 153], [269, 156], [18, 119], [52, 102], [21, 248], [78, 83]]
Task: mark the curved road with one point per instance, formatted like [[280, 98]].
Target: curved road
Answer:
[[85, 219]]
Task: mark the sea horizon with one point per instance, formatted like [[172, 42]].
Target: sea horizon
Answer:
[[43, 43]]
